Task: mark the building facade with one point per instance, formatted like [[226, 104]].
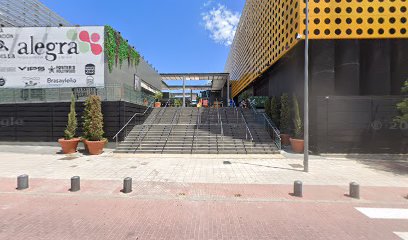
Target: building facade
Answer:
[[28, 13], [358, 57]]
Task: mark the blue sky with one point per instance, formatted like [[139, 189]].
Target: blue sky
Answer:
[[173, 35]]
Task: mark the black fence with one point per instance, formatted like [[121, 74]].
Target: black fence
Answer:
[[358, 124], [47, 121]]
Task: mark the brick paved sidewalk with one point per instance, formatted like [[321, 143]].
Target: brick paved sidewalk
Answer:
[[228, 169], [206, 211]]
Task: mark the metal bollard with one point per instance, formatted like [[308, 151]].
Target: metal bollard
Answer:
[[298, 189], [354, 190], [127, 185], [75, 184], [22, 182]]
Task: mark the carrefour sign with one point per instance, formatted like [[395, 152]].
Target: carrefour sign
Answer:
[[51, 57]]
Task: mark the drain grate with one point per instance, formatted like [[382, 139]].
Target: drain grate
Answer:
[[68, 158], [296, 165], [226, 162]]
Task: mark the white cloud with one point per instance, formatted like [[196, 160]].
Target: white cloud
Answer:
[[221, 23]]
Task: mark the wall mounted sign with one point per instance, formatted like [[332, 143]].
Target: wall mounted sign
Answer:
[[51, 57]]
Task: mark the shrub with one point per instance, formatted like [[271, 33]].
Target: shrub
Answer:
[[267, 106], [275, 111], [297, 119], [285, 115], [93, 119], [70, 130], [158, 96], [402, 107]]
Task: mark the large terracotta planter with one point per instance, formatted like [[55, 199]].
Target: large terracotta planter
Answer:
[[69, 146], [285, 139], [94, 147], [157, 104], [298, 145]]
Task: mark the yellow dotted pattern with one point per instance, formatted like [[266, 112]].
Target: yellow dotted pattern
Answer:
[[356, 19], [268, 29]]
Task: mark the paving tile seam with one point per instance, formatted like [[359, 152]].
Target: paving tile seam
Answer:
[[206, 199]]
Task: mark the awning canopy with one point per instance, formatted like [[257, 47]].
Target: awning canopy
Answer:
[[216, 81]]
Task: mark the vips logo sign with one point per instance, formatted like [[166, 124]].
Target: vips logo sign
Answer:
[[52, 57]]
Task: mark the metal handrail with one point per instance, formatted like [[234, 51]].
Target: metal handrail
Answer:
[[269, 123], [222, 130], [276, 132], [144, 132], [235, 109], [172, 126], [247, 131], [195, 131], [134, 115]]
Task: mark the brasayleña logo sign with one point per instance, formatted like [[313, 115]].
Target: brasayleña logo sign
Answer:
[[54, 56]]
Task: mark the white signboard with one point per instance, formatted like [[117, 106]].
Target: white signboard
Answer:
[[51, 57]]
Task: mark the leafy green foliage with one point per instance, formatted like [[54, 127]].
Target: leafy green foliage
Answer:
[[70, 130], [158, 96], [403, 107], [285, 115], [275, 110], [297, 119], [118, 48], [267, 106], [178, 102], [259, 101], [93, 119]]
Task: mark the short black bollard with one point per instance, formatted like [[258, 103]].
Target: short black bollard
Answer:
[[354, 190], [22, 182], [127, 185], [75, 184], [298, 189]]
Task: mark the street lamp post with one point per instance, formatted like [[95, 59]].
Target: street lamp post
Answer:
[[306, 93]]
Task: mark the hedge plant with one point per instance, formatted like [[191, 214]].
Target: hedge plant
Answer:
[[275, 111], [285, 115], [297, 119], [70, 130], [93, 119]]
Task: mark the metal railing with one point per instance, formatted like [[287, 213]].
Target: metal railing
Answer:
[[110, 92], [178, 112], [270, 127], [149, 126], [248, 131], [116, 137]]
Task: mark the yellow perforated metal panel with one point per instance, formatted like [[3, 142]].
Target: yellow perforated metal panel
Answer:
[[356, 19], [268, 29]]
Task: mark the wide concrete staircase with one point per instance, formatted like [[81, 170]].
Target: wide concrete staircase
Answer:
[[199, 130]]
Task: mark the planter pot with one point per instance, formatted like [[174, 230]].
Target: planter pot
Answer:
[[157, 104], [94, 147], [69, 146], [298, 145], [285, 139]]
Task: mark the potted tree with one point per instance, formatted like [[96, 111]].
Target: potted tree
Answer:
[[285, 117], [69, 143], [297, 141], [158, 96], [93, 126]]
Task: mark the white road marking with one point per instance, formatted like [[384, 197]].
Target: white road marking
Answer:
[[385, 213], [402, 235]]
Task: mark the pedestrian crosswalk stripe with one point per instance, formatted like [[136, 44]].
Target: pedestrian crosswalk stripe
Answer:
[[402, 235], [384, 213]]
